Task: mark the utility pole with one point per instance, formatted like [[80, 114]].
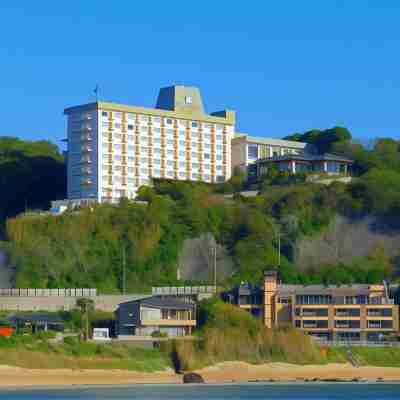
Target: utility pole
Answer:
[[123, 270], [279, 249], [214, 255]]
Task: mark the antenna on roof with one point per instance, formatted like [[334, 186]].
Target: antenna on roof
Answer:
[[96, 92]]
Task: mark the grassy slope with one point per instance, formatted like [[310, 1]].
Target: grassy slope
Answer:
[[36, 353]]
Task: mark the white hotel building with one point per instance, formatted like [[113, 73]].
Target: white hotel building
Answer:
[[113, 149]]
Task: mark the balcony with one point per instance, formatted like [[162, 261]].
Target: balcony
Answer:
[[168, 322], [86, 182], [86, 160], [86, 149], [86, 138]]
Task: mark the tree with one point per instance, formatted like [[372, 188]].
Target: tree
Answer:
[[86, 305]]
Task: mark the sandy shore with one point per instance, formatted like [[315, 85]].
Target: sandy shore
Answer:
[[222, 373]]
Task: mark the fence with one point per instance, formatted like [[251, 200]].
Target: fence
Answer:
[[183, 290], [80, 292]]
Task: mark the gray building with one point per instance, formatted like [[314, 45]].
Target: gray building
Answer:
[[157, 314]]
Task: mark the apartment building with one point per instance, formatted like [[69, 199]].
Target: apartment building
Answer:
[[246, 150], [113, 149], [168, 315], [345, 312]]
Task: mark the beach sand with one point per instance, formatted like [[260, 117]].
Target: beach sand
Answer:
[[227, 372]]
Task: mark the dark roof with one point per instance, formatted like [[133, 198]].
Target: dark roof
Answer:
[[163, 302], [36, 317], [308, 157], [333, 290]]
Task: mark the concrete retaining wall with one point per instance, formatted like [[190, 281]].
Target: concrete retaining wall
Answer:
[[62, 303]]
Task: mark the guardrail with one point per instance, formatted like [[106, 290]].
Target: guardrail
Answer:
[[355, 343], [76, 292]]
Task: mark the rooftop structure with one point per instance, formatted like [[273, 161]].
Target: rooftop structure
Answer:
[[113, 149]]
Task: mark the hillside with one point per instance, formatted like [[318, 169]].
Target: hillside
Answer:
[[172, 232]]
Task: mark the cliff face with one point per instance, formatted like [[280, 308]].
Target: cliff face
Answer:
[[196, 261], [345, 239]]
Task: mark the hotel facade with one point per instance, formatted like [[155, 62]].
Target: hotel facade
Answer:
[[113, 149]]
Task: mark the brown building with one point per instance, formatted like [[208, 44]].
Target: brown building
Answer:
[[333, 312]]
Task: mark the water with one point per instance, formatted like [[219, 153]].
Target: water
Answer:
[[218, 392]]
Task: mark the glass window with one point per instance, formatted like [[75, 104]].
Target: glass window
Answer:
[[207, 156], [157, 119], [195, 124], [219, 157], [144, 128], [130, 116], [194, 155], [182, 153], [117, 114], [252, 151], [168, 121], [104, 113], [130, 127], [157, 161]]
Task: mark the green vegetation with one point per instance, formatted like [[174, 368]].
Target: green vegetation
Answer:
[[31, 175], [86, 249], [230, 334], [39, 351], [373, 356]]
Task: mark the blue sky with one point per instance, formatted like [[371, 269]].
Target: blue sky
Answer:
[[284, 66]]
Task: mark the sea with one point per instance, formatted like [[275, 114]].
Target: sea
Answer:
[[275, 391]]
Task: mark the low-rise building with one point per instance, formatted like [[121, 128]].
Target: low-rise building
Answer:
[[156, 315], [331, 312], [247, 150]]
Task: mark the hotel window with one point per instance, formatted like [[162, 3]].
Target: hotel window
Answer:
[[131, 170], [143, 160], [182, 143], [144, 118], [168, 121], [104, 114], [170, 174], [117, 114], [144, 128], [156, 130], [182, 174], [195, 176], [157, 119], [207, 177], [182, 153], [207, 145], [252, 151], [182, 164], [219, 167], [117, 125], [194, 155], [171, 142], [170, 163], [131, 180], [130, 127], [105, 156], [207, 136], [194, 135], [117, 136], [195, 165], [105, 145], [144, 139], [130, 116], [207, 126], [182, 123], [143, 149], [157, 161], [131, 159], [207, 156], [144, 171], [171, 152], [105, 124], [118, 168], [219, 127], [206, 166], [131, 148], [182, 133], [117, 178], [194, 145], [219, 147], [194, 124], [157, 172], [117, 147], [219, 157], [157, 150]]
